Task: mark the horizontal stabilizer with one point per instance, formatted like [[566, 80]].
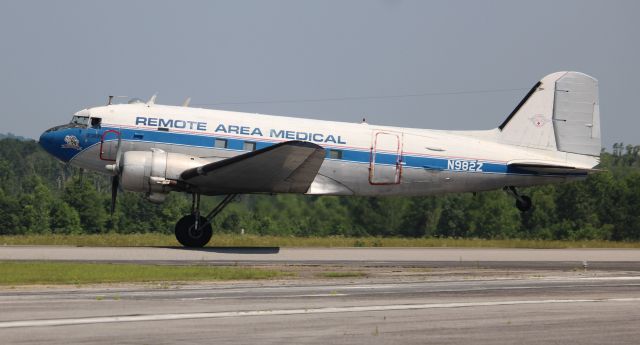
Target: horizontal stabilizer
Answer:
[[545, 169], [288, 167]]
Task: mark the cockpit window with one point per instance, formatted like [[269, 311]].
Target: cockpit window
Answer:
[[77, 122], [80, 120]]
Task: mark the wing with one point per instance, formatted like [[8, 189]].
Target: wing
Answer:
[[288, 167]]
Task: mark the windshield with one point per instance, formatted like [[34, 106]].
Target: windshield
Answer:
[[76, 122], [80, 120]]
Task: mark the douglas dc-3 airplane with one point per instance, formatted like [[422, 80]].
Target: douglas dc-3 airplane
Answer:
[[552, 136]]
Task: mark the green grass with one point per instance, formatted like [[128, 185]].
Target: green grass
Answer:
[[227, 240], [28, 273], [341, 274]]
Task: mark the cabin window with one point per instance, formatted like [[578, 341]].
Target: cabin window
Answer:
[[249, 146], [96, 122], [220, 143], [335, 154]]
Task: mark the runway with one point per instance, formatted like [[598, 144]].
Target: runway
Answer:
[[496, 308], [616, 259], [408, 296]]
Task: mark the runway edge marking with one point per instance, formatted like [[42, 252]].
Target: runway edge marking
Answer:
[[213, 315]]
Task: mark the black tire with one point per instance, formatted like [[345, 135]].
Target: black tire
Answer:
[[524, 203], [188, 236]]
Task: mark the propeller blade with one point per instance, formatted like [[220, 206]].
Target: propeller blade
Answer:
[[115, 179], [119, 149], [115, 182]]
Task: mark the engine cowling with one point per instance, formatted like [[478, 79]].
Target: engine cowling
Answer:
[[154, 172]]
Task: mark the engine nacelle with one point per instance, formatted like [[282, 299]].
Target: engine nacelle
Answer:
[[154, 172]]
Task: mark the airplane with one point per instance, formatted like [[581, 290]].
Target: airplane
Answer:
[[552, 136]]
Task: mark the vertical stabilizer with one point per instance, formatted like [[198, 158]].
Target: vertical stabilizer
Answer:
[[560, 113]]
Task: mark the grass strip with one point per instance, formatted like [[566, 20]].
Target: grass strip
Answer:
[[36, 272], [340, 274], [232, 240]]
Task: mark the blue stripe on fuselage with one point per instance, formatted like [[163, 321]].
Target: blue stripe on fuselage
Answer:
[[348, 155]]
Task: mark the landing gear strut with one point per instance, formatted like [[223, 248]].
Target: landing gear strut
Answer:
[[523, 202], [194, 230]]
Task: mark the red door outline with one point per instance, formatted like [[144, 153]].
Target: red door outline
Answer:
[[398, 163], [102, 157]]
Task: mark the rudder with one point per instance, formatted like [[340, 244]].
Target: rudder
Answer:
[[576, 114]]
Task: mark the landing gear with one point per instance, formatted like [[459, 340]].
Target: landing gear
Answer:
[[194, 230], [523, 202], [191, 235]]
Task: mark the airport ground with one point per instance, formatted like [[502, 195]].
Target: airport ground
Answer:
[[338, 296], [235, 240]]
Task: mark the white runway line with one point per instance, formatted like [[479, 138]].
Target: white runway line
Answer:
[[609, 278], [263, 296], [213, 315]]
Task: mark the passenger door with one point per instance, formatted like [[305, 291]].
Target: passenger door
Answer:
[[109, 145], [385, 166]]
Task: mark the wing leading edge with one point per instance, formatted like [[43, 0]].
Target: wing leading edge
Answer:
[[288, 167]]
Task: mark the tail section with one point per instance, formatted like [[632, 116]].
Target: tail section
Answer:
[[560, 113]]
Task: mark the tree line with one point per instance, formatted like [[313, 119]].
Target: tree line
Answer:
[[41, 195]]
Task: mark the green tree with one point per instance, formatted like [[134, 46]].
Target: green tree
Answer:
[[454, 220], [329, 217], [64, 219], [39, 194], [627, 227], [82, 196], [537, 223], [379, 216], [36, 204], [10, 212], [422, 217], [492, 215]]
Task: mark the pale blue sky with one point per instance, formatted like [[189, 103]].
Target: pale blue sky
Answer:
[[60, 56]]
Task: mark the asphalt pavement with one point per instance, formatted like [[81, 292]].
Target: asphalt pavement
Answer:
[[498, 308], [407, 296], [617, 259]]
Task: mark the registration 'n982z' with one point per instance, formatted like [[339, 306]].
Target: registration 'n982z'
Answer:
[[464, 165]]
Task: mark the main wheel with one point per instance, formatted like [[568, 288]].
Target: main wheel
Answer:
[[524, 203], [189, 236]]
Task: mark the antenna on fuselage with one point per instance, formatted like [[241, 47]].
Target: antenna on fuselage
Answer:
[[186, 102], [152, 100]]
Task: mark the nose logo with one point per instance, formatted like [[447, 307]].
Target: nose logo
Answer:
[[71, 142]]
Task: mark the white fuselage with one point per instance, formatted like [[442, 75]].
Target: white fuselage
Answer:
[[362, 159]]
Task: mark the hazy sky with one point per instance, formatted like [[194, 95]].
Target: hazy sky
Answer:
[[58, 57]]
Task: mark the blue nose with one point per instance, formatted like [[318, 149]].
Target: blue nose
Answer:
[[61, 142], [47, 141]]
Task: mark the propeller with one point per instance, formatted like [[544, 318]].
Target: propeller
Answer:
[[115, 181], [115, 169]]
